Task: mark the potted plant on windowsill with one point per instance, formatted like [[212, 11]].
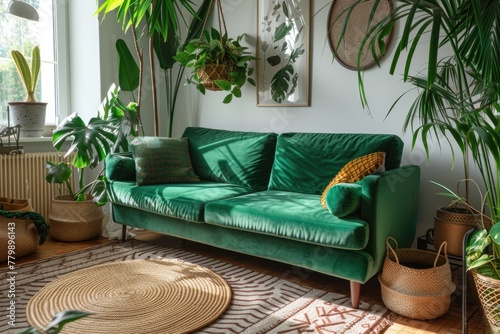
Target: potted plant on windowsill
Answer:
[[30, 114], [90, 144], [218, 63]]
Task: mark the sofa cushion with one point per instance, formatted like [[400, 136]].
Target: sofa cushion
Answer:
[[120, 166], [343, 199], [288, 215], [179, 200], [162, 160], [355, 170], [243, 158], [306, 162]]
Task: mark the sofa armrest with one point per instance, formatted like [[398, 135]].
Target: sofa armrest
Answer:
[[120, 167], [390, 206]]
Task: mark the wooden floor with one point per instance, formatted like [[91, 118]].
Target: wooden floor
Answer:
[[451, 322]]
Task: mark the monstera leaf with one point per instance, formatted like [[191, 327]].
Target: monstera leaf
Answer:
[[123, 118], [90, 142]]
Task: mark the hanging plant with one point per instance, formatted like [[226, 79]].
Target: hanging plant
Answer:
[[218, 63]]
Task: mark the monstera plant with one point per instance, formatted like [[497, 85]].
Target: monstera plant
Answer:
[[90, 143]]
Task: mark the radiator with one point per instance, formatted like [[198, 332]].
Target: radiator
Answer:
[[23, 176]]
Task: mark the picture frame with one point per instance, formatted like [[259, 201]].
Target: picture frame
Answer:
[[283, 43], [346, 50]]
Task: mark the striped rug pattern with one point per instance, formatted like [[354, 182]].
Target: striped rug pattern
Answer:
[[261, 303]]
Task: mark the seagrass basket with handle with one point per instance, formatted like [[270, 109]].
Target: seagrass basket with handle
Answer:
[[416, 283]]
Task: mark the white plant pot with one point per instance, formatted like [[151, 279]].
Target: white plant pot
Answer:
[[30, 115]]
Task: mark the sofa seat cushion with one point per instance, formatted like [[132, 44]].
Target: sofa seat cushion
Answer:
[[179, 200], [295, 216]]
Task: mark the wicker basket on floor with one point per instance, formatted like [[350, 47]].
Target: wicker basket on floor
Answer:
[[25, 236], [416, 283], [22, 233], [74, 221]]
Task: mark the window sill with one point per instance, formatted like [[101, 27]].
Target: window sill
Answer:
[[35, 140]]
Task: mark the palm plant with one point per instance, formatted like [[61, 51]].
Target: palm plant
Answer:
[[458, 96]]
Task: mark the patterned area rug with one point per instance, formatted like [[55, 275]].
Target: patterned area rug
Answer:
[[260, 304]]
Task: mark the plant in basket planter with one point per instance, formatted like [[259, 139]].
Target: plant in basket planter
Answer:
[[218, 63], [30, 114], [90, 144]]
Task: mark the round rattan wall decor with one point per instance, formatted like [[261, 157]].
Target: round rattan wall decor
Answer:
[[135, 296], [346, 50]]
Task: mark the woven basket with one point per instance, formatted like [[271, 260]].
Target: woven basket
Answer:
[[26, 236], [74, 221], [26, 241], [416, 283], [488, 290], [450, 225], [213, 72]]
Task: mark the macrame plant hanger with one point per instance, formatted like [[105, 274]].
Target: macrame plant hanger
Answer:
[[213, 72]]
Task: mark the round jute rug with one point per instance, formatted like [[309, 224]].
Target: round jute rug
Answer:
[[136, 296]]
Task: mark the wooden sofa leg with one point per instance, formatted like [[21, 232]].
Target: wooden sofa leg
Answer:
[[124, 232], [355, 293]]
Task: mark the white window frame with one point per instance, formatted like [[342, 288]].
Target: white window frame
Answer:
[[61, 28]]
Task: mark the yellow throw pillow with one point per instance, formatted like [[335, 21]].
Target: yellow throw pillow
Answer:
[[356, 170]]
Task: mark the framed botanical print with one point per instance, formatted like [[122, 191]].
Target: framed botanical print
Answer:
[[283, 37]]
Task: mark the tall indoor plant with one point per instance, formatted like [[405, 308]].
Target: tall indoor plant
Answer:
[[89, 144], [159, 22], [458, 95], [30, 114]]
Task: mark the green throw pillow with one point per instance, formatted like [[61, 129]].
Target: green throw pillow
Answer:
[[120, 167], [162, 160], [343, 199]]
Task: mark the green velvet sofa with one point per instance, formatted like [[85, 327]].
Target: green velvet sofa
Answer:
[[259, 194]]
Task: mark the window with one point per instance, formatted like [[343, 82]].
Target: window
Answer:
[[22, 34]]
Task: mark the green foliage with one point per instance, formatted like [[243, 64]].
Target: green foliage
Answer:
[[29, 76], [58, 322], [128, 70], [160, 19], [90, 143], [150, 12], [458, 95], [214, 48]]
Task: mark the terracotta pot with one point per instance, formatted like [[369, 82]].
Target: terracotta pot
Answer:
[[74, 221], [31, 117]]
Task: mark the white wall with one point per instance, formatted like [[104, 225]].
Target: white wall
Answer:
[[335, 104]]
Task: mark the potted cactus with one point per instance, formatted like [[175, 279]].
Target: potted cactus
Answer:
[[30, 114]]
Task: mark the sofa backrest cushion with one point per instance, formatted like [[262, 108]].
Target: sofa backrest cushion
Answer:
[[243, 158], [307, 162]]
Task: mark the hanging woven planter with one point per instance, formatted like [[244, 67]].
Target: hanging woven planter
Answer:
[[212, 73], [218, 62]]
